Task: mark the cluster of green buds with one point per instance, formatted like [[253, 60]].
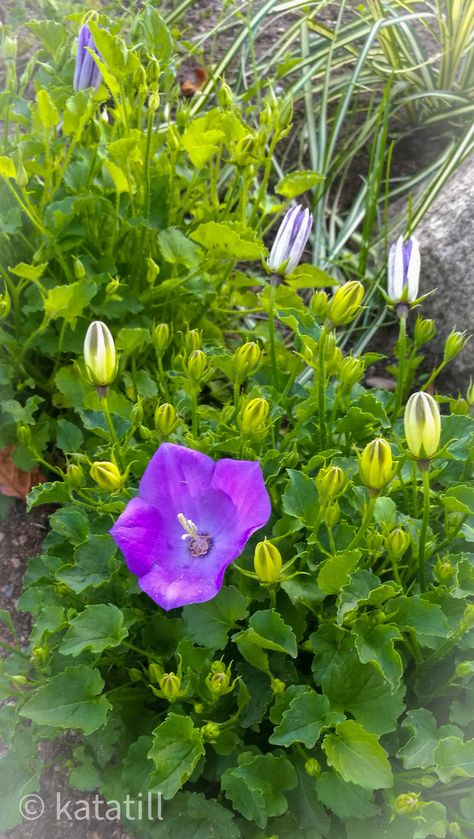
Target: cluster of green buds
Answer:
[[350, 372], [422, 427], [376, 465], [253, 417], [107, 475], [331, 483], [100, 357], [218, 680], [267, 562]]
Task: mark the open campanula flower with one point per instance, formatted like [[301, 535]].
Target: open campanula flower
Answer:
[[86, 73], [403, 271], [191, 519], [290, 241]]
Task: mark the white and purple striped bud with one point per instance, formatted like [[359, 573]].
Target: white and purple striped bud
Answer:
[[403, 271], [86, 73], [290, 241]]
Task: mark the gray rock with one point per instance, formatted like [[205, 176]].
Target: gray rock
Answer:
[[446, 236]]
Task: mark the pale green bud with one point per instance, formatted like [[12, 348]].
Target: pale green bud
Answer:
[[332, 514], [422, 425], [346, 303], [79, 270], [246, 360], [165, 419], [254, 416], [330, 482], [170, 685], [99, 354], [152, 271], [312, 767], [277, 686], [161, 337], [398, 542], [455, 343], [75, 475], [106, 475], [196, 366], [407, 803], [351, 371], [5, 305], [376, 465], [424, 331], [192, 340], [267, 562], [319, 304]]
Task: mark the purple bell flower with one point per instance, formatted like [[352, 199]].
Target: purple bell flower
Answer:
[[86, 73], [290, 240], [191, 519], [403, 271]]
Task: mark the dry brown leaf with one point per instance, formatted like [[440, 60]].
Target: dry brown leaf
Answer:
[[14, 481], [196, 78]]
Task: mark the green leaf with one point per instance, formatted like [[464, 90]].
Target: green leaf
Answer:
[[358, 756], [7, 168], [130, 339], [70, 523], [20, 773], [177, 749], [454, 758], [84, 775], [46, 110], [297, 182], [426, 619], [419, 751], [228, 241], [432, 821], [77, 113], [204, 818], [364, 589], [300, 498], [334, 572], [51, 492], [29, 272], [69, 700], [209, 624], [459, 499], [268, 630], [374, 643], [51, 34], [118, 176], [303, 720], [256, 786], [6, 619], [69, 437], [68, 301], [97, 628], [92, 564], [309, 276], [344, 799], [156, 35]]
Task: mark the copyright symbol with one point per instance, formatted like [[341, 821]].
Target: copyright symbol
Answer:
[[31, 807]]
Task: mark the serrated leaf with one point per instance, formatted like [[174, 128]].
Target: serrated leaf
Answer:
[[228, 241], [256, 786], [358, 756], [454, 758], [177, 749], [374, 644], [92, 564], [425, 618], [69, 700], [303, 720], [268, 630], [70, 523], [344, 799], [96, 628], [209, 624], [69, 437], [297, 182], [334, 572], [300, 498]]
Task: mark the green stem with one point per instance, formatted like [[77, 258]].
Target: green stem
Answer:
[[113, 437], [322, 387], [402, 351], [365, 523], [271, 332], [434, 375], [237, 385], [149, 132], [194, 416], [58, 352], [424, 527]]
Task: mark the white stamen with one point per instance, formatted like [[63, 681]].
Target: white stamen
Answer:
[[188, 526]]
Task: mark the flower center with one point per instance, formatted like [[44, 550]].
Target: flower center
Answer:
[[199, 543]]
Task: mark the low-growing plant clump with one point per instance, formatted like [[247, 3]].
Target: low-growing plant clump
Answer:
[[254, 597]]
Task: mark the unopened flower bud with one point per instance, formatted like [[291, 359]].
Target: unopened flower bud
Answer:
[[106, 475], [192, 340], [428, 781], [246, 359], [210, 732], [464, 670], [99, 354], [398, 542], [173, 140], [422, 425], [254, 416], [285, 111], [154, 101], [267, 562], [224, 96], [155, 673], [374, 541], [165, 419], [196, 366], [403, 271], [443, 571], [21, 175], [218, 683], [152, 270], [199, 707], [407, 803], [468, 618], [170, 684], [245, 150], [112, 288], [312, 767], [161, 337], [332, 513], [290, 241], [86, 73], [351, 371], [144, 432], [39, 656], [470, 394], [136, 414], [330, 482], [346, 303], [319, 304], [23, 432], [424, 331], [277, 686], [79, 270], [376, 465], [5, 305], [455, 343], [18, 680], [75, 475], [135, 675]]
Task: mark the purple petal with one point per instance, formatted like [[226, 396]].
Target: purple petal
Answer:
[[175, 471], [281, 245], [302, 229], [87, 69], [413, 270], [137, 532], [243, 481]]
